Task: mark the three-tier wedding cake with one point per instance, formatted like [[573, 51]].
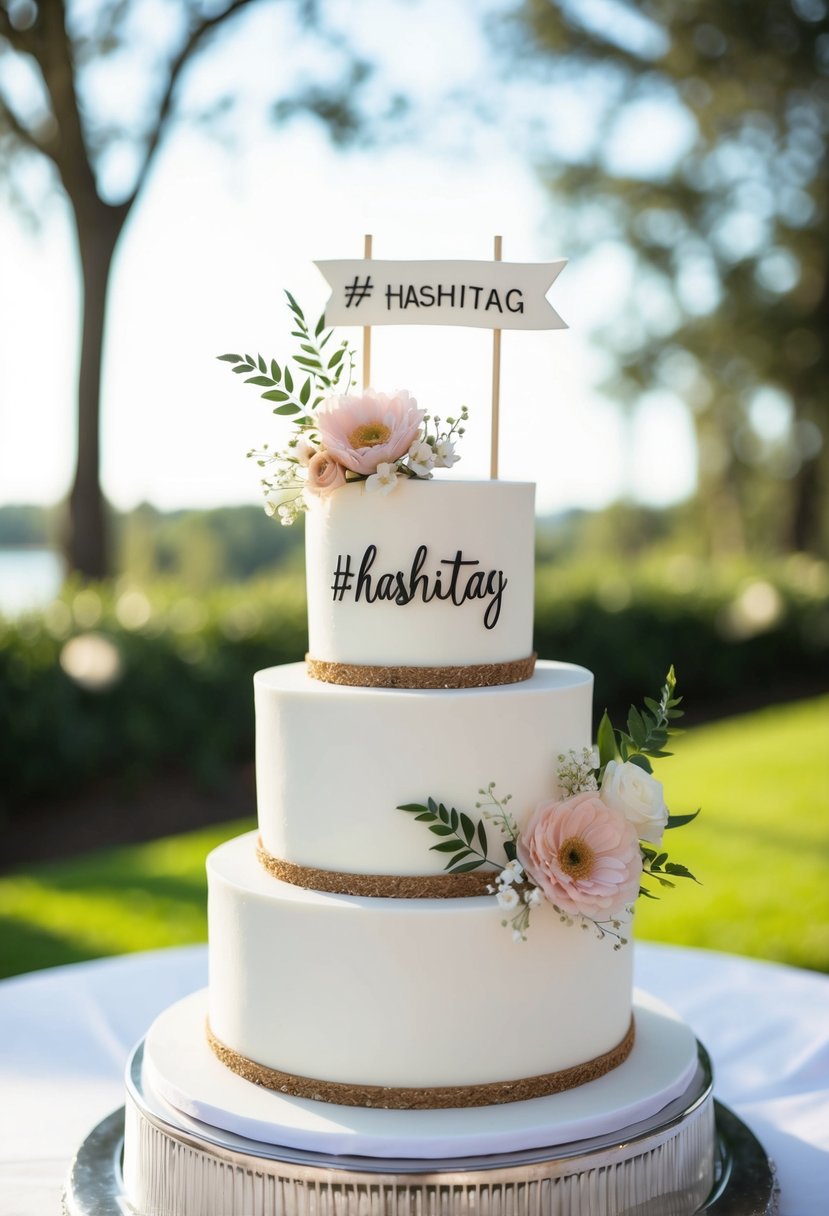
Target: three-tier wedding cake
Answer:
[[420, 964]]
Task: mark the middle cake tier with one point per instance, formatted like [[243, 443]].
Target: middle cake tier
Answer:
[[333, 762]]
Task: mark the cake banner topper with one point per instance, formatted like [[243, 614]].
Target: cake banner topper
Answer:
[[484, 295]]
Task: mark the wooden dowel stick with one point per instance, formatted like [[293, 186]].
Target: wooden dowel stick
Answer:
[[496, 385], [367, 328]]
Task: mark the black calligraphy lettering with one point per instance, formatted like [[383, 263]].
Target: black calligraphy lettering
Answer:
[[364, 578], [496, 584]]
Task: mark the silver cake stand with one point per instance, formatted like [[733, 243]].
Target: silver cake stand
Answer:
[[662, 1166]]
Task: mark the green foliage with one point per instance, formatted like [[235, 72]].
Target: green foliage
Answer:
[[726, 232], [319, 372], [762, 778], [183, 694], [465, 840]]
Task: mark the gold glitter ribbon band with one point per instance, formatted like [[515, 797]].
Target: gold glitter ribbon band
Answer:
[[387, 1097], [380, 886], [479, 675]]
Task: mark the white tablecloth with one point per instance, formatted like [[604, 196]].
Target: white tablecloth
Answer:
[[65, 1035]]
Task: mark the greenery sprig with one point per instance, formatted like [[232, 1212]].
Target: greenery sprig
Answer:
[[323, 373], [463, 839], [648, 730]]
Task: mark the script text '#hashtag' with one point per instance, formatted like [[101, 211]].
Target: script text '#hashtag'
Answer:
[[343, 577]]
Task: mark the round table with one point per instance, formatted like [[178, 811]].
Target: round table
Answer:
[[66, 1033]]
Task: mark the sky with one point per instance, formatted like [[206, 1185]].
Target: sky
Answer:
[[223, 229]]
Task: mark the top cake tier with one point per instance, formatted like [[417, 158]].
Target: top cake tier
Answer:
[[436, 574]]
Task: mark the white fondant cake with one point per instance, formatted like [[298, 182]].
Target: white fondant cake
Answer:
[[343, 987], [333, 762], [436, 573], [402, 992]]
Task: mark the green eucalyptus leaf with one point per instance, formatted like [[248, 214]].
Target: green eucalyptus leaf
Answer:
[[459, 858], [276, 394], [679, 871], [276, 371], [335, 358], [448, 846], [679, 821], [305, 392], [467, 866], [320, 326], [606, 740], [641, 761], [261, 364], [230, 358], [467, 827], [265, 381], [287, 409], [242, 369], [636, 726], [432, 805], [289, 380], [441, 829], [426, 817], [482, 841], [454, 819], [443, 814]]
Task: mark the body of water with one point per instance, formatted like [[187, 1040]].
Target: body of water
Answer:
[[29, 579]]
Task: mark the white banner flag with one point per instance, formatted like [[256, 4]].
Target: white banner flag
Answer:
[[485, 295]]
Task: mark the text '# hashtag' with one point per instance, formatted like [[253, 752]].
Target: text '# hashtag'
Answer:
[[343, 577], [358, 291]]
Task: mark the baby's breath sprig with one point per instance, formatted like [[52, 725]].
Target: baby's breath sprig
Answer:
[[577, 771], [495, 809]]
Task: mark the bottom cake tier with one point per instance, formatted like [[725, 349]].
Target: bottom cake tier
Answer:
[[365, 993], [199, 1139]]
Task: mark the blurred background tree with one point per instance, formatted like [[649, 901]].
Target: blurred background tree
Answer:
[[102, 147], [727, 235]]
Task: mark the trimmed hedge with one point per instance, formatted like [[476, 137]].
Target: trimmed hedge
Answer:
[[174, 670]]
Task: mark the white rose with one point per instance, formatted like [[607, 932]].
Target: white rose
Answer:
[[637, 795]]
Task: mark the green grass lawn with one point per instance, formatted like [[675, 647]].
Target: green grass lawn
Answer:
[[760, 848]]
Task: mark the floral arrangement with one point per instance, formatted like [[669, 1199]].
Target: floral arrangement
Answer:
[[587, 854], [339, 436]]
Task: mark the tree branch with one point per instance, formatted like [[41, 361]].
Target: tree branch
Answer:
[[26, 137], [187, 52]]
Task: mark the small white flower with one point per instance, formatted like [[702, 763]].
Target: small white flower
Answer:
[[287, 513], [532, 897], [305, 450], [508, 898], [384, 480], [421, 458], [518, 936], [514, 869], [445, 455]]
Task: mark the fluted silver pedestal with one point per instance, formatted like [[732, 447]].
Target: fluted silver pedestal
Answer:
[[694, 1157]]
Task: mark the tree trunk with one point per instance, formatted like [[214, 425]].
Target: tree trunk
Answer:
[[87, 541]]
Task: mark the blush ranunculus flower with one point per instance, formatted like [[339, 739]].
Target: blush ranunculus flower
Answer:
[[629, 789], [364, 432], [583, 855], [324, 474]]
